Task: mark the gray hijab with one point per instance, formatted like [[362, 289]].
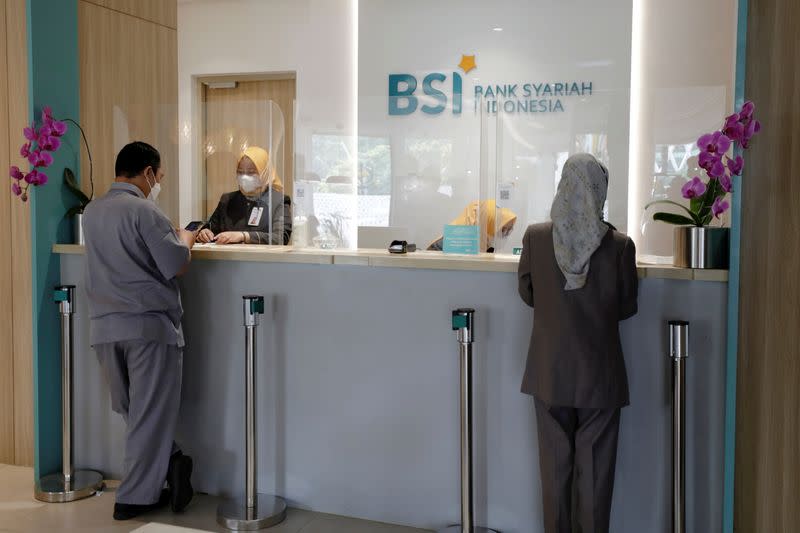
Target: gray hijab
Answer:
[[577, 215]]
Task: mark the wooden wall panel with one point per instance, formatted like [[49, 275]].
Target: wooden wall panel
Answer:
[[241, 115], [129, 91], [19, 306], [6, 281], [768, 396], [164, 12]]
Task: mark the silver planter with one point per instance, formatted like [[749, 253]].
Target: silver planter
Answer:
[[701, 247], [77, 229]]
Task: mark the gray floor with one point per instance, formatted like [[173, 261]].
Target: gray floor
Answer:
[[19, 513]]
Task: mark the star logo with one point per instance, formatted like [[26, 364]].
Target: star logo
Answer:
[[467, 63]]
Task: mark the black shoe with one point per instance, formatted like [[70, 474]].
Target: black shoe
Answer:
[[179, 479], [126, 511]]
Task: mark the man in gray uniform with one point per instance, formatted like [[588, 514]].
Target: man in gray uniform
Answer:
[[133, 257]]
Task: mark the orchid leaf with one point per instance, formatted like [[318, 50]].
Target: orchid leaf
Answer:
[[72, 211], [672, 218], [694, 220], [72, 185]]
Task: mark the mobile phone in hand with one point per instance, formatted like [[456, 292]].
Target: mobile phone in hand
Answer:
[[194, 225]]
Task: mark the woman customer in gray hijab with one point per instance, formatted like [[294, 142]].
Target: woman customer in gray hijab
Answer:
[[579, 273]]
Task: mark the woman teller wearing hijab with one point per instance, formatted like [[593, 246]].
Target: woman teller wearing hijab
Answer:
[[484, 215], [580, 275], [258, 213]]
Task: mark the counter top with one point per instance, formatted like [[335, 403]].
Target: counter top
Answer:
[[382, 258]]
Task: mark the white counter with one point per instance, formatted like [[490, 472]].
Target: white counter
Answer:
[[382, 258]]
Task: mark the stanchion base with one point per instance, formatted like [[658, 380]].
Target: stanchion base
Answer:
[[53, 488], [457, 529], [233, 514]]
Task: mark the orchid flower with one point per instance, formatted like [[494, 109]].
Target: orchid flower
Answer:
[[33, 157], [751, 129], [717, 170], [693, 188], [726, 183], [45, 159], [747, 110], [714, 143], [16, 173], [59, 128], [735, 165], [30, 133], [708, 198], [32, 177], [41, 143], [51, 144], [733, 128], [719, 206]]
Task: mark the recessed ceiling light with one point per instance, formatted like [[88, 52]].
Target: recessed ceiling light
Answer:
[[497, 28]]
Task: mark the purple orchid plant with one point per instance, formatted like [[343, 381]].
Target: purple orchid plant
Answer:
[[707, 199], [41, 143]]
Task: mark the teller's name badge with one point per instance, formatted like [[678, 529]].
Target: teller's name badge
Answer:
[[255, 216]]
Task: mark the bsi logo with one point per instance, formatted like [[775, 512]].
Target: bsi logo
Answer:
[[403, 100]]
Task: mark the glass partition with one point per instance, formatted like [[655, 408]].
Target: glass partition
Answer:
[[413, 111], [326, 193], [479, 116], [527, 155], [248, 192]]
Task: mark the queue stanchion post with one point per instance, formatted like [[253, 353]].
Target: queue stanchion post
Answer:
[[463, 325], [253, 511], [678, 352], [69, 484]]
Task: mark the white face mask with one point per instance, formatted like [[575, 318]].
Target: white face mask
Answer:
[[155, 190], [248, 183]]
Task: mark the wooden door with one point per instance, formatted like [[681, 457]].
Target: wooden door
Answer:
[[238, 117]]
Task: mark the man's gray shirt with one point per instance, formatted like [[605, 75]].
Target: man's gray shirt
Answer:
[[132, 257]]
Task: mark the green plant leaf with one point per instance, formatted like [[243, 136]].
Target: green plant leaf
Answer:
[[72, 185], [696, 204], [672, 218], [692, 215], [75, 210]]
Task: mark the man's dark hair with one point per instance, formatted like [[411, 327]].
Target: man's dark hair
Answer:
[[134, 158]]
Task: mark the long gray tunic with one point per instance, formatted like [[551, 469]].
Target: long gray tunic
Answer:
[[132, 257]]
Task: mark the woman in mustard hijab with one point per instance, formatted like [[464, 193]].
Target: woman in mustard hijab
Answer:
[[486, 220], [258, 213]]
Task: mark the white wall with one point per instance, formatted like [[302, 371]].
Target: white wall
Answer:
[[685, 74], [310, 37]]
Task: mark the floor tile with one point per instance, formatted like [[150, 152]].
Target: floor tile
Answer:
[[17, 483], [342, 524], [21, 513], [165, 528], [202, 514]]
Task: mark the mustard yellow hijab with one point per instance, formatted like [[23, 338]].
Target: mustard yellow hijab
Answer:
[[267, 173], [484, 215]]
